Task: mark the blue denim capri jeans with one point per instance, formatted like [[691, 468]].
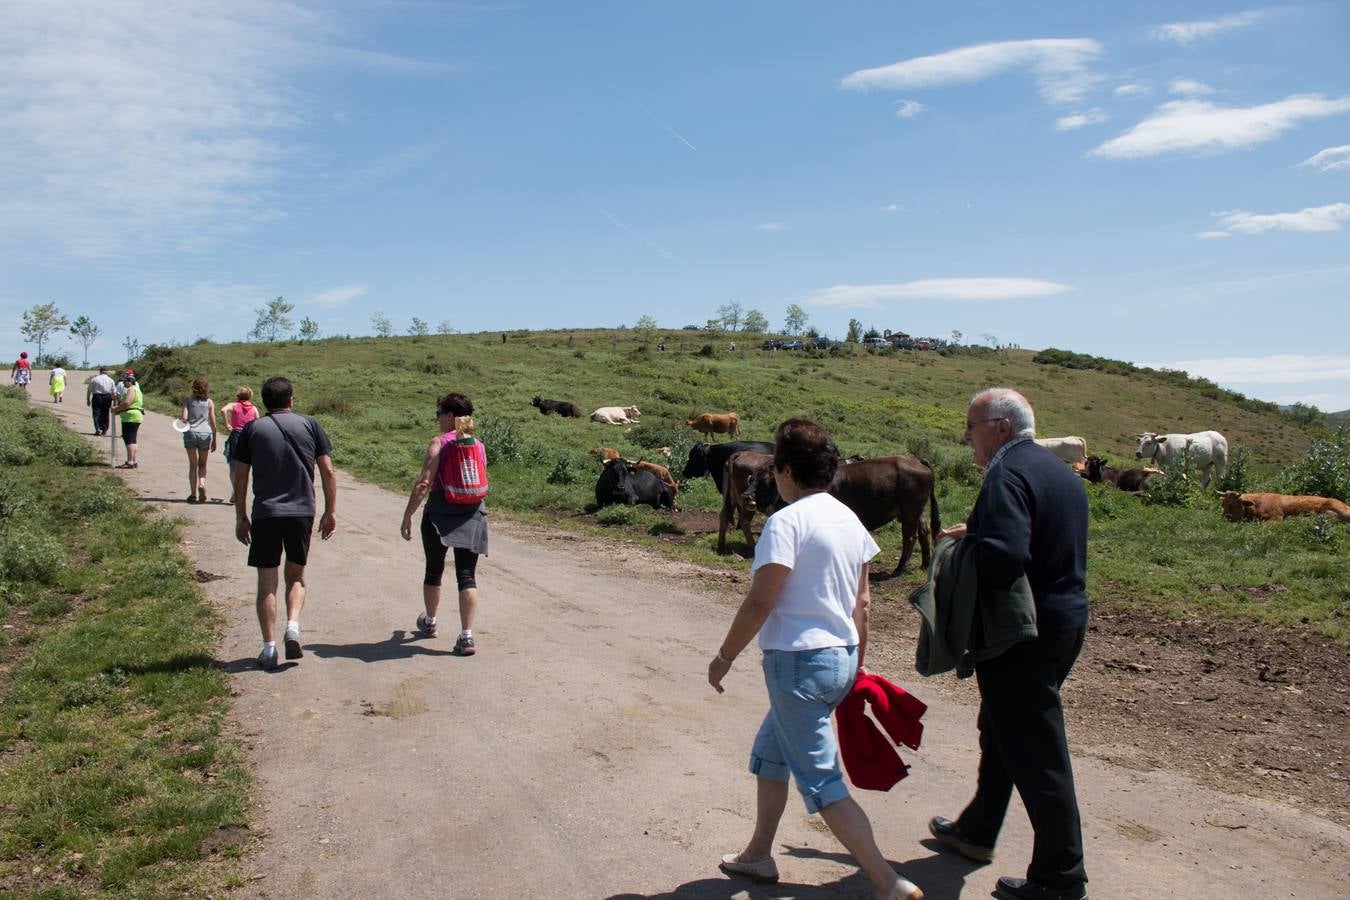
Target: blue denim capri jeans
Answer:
[[804, 688]]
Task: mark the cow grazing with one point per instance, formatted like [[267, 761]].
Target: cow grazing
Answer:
[[618, 484], [616, 415], [1131, 481], [749, 486], [561, 407], [884, 488], [716, 423], [1274, 507], [604, 453], [660, 472], [711, 459], [1070, 449], [1208, 451]]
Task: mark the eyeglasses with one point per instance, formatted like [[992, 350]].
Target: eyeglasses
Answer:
[[970, 425]]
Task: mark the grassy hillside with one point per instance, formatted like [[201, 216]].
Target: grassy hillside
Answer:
[[377, 399]]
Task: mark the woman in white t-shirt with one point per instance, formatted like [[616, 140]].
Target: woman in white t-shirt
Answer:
[[808, 603]]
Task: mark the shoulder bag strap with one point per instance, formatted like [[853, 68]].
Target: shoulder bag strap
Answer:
[[294, 449]]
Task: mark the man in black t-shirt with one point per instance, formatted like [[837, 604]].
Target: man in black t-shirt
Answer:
[[1030, 518], [281, 451]]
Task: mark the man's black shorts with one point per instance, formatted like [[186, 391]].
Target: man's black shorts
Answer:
[[269, 537]]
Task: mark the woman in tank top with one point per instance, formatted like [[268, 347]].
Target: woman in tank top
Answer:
[[199, 413], [236, 414]]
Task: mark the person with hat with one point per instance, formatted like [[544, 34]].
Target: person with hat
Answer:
[[98, 396], [22, 372], [131, 411]]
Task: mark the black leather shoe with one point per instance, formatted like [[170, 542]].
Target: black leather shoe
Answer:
[[1021, 889], [950, 835]]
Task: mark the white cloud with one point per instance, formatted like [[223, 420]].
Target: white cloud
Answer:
[[772, 226], [1188, 32], [1213, 235], [960, 289], [891, 207], [1312, 219], [1330, 159], [1190, 87], [908, 109], [135, 127], [1278, 369], [1198, 125], [1130, 90], [337, 296], [1060, 66], [1078, 120]]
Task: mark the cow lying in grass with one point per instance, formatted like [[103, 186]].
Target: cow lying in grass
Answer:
[[1274, 507], [1131, 481]]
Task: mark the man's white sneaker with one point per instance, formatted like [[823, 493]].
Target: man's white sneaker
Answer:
[[268, 659], [293, 650]]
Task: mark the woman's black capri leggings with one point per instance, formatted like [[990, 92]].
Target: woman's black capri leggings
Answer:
[[466, 561]]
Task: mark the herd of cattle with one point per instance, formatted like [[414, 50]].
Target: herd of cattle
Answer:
[[896, 488]]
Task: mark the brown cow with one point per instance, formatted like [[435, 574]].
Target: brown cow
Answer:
[[660, 472], [747, 486], [884, 488], [604, 454], [1274, 507], [716, 423]]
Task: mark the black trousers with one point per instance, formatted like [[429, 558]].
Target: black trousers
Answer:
[[100, 404], [1022, 745]]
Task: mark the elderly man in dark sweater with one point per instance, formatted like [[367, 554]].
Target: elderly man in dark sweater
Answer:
[[1031, 517]]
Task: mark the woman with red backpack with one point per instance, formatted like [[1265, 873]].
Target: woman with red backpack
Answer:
[[454, 483]]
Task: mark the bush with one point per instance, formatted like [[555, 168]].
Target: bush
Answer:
[[617, 515], [28, 555], [567, 469], [707, 350], [331, 405], [1176, 486], [501, 439], [1237, 477], [1324, 471]]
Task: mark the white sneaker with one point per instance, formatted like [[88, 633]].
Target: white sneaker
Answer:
[[293, 650], [267, 659]]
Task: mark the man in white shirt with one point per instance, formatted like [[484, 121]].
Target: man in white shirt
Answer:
[[99, 398]]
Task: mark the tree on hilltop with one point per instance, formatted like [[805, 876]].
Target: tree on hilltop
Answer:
[[794, 320], [274, 321], [855, 329], [40, 323], [730, 315], [86, 332], [383, 325], [419, 327], [755, 321], [309, 329]]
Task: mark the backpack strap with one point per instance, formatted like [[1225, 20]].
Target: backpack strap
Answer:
[[300, 457]]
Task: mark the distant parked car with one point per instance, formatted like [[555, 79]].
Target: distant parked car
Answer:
[[794, 345], [771, 345], [924, 344], [877, 342], [821, 343]]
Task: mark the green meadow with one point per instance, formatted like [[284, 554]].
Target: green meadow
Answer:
[[376, 397], [113, 766]]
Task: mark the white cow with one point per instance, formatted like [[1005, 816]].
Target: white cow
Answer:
[[1208, 451], [1070, 449], [616, 415]]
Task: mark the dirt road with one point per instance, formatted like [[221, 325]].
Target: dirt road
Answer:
[[581, 752]]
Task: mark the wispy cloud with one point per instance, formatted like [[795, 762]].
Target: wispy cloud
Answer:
[[908, 109], [1078, 120], [1198, 125], [1189, 87], [772, 226], [1130, 90], [956, 289], [1312, 219], [1189, 32], [144, 128], [662, 122], [615, 219], [1330, 159], [337, 296], [1213, 235], [1059, 64], [892, 207]]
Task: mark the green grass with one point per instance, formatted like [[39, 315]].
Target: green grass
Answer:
[[376, 397], [113, 765]]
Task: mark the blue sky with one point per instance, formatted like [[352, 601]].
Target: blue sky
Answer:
[[1166, 183]]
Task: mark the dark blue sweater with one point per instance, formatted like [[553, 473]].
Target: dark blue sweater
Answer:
[[1031, 518]]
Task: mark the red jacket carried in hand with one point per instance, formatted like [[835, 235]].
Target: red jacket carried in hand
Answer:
[[869, 758]]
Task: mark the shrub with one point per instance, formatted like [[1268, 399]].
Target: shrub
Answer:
[[1237, 477], [1324, 470], [501, 438], [1176, 486], [567, 469], [331, 405], [617, 515], [28, 555], [707, 350]]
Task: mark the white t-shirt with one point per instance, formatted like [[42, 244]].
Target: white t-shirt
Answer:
[[825, 546]]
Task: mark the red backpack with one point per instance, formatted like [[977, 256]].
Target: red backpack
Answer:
[[463, 469]]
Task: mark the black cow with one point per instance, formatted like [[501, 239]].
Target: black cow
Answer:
[[750, 488], [1132, 481], [711, 459], [561, 407], [621, 484]]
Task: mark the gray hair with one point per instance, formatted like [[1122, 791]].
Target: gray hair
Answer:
[[1005, 403]]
